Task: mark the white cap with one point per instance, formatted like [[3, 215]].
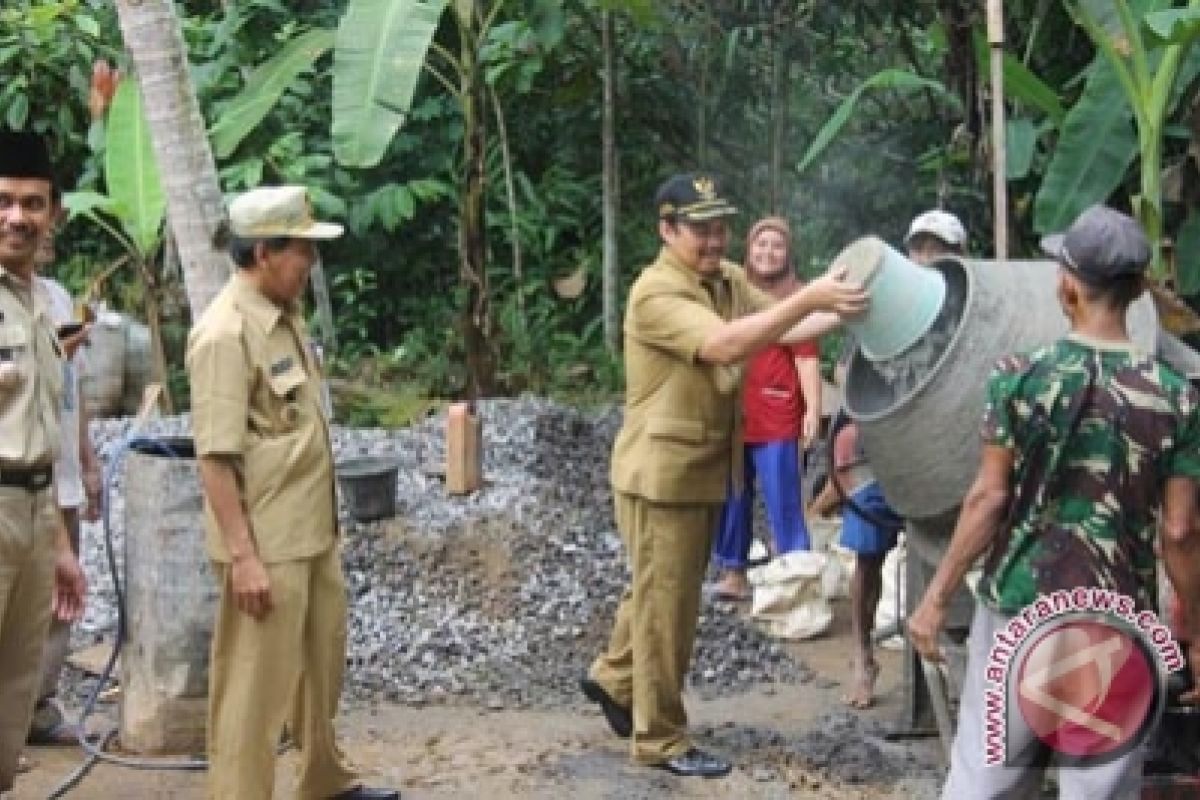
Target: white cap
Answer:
[[278, 211], [941, 224]]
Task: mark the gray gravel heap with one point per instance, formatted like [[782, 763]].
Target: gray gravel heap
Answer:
[[500, 598]]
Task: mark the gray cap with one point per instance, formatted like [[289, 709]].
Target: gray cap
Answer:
[[1101, 245]]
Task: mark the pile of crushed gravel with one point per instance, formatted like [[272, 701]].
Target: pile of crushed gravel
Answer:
[[501, 598]]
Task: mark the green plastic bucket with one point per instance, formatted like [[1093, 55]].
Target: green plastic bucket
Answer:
[[905, 298]]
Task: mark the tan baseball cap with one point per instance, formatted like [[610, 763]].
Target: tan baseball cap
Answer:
[[278, 211]]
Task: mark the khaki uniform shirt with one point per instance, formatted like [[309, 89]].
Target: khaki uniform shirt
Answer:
[[30, 399], [682, 428], [256, 397]]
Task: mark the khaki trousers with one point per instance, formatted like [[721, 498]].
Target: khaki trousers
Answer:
[[58, 643], [285, 668], [646, 663], [28, 525]]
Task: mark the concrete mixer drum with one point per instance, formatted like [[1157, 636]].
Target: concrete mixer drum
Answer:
[[919, 414]]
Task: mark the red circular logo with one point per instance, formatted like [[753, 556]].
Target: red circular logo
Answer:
[[1087, 687]]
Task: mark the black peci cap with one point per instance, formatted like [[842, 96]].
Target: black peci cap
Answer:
[[24, 155]]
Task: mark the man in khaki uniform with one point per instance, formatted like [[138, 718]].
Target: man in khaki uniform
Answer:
[[77, 475], [691, 319], [266, 464], [39, 574]]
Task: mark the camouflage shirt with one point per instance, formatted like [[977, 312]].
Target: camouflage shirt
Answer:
[[1092, 525]]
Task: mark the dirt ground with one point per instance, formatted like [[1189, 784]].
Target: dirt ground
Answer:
[[786, 741]]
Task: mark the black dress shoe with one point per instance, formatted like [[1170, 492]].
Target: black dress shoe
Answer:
[[618, 716], [696, 763], [367, 793]]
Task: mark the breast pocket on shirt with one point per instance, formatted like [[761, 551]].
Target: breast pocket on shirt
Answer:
[[287, 394], [686, 431], [14, 357]]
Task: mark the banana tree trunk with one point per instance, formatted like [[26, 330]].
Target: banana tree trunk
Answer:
[[472, 232], [158, 351], [195, 207]]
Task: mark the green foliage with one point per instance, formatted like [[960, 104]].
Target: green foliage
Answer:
[[880, 120], [264, 87], [1177, 26], [380, 50], [392, 204], [353, 294], [361, 406], [901, 80], [1021, 142], [1020, 84], [1095, 147], [1150, 75], [1187, 255], [46, 52], [131, 172]]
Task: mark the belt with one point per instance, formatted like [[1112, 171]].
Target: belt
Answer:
[[33, 479]]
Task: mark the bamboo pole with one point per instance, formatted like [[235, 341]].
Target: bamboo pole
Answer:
[[611, 270], [995, 26]]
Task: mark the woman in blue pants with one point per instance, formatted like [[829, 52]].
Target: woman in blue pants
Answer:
[[781, 408]]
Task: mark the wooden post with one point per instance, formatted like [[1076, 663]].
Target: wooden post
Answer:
[[464, 449], [995, 26]]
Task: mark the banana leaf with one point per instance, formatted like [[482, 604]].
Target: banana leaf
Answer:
[[263, 88], [1096, 145], [1019, 81], [1020, 140], [1109, 18], [131, 171], [1176, 26], [899, 79], [87, 203], [1187, 256], [378, 55]]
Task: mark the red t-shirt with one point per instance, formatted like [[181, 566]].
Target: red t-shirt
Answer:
[[772, 404]]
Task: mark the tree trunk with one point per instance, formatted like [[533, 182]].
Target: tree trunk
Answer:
[[778, 113], [702, 113], [158, 351], [195, 207], [611, 269], [472, 230]]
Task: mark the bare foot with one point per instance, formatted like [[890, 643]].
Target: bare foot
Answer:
[[862, 692], [732, 586]]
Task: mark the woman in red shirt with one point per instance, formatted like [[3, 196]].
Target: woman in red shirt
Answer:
[[781, 408]]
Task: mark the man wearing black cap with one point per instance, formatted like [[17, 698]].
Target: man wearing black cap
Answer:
[[1086, 442], [39, 574], [692, 317]]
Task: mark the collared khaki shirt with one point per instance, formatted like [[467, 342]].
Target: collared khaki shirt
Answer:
[[681, 434], [256, 396], [31, 376]]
